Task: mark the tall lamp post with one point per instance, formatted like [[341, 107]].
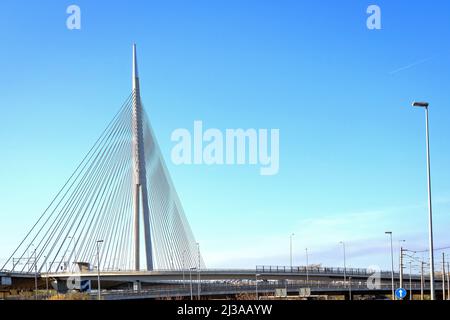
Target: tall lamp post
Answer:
[[392, 265], [350, 288], [307, 264], [46, 276], [198, 271], [33, 261], [410, 282], [290, 249], [256, 285], [345, 266], [430, 212], [183, 267], [35, 276], [99, 293], [422, 280], [67, 262], [190, 279]]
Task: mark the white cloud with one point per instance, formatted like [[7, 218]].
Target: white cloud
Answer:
[[362, 231]]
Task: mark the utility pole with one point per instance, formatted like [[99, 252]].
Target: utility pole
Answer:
[[139, 175], [422, 280], [401, 267]]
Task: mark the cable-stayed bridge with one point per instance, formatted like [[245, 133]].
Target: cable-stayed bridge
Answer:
[[118, 219], [119, 207]]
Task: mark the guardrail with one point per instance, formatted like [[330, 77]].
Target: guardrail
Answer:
[[211, 289], [262, 288], [262, 270], [330, 271]]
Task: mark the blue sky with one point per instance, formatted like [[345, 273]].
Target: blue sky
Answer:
[[352, 161]]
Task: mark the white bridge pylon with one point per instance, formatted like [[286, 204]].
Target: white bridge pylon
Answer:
[[119, 206]]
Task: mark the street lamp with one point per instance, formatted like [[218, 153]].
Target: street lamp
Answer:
[[35, 276], [422, 280], [98, 269], [410, 282], [350, 287], [345, 267], [307, 264], [290, 247], [184, 267], [190, 278], [46, 278], [66, 253], [430, 212], [392, 265], [198, 271], [256, 285], [35, 270]]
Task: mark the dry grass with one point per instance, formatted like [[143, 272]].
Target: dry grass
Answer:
[[246, 296], [170, 298], [71, 296]]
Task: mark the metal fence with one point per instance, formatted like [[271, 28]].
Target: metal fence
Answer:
[[211, 289]]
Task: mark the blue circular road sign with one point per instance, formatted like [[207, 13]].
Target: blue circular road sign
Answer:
[[400, 293]]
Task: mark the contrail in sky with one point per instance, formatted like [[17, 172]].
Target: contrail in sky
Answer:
[[410, 65]]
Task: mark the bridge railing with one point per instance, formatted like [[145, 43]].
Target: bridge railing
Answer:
[[263, 288], [262, 270], [313, 269], [330, 271]]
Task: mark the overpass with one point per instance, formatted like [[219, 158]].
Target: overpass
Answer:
[[158, 283], [220, 283]]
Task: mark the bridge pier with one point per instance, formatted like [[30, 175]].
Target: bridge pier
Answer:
[[61, 286], [137, 286]]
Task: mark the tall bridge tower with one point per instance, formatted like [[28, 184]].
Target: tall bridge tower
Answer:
[[121, 196], [140, 195]]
